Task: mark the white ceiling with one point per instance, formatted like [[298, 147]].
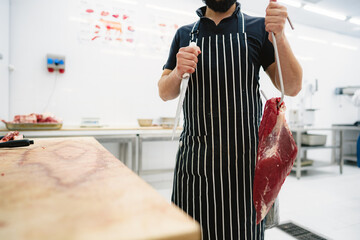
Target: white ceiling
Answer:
[[350, 8]]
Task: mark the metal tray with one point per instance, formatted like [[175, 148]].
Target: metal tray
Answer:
[[33, 126], [313, 139]]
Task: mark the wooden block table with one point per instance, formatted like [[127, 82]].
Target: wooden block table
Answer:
[[73, 188]]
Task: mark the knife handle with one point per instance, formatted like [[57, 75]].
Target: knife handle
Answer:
[[16, 143], [187, 75]]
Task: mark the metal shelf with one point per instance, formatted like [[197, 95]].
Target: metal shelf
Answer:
[[316, 164], [350, 157], [302, 149], [306, 147]]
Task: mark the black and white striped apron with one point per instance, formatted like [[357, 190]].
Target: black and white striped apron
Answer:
[[214, 171]]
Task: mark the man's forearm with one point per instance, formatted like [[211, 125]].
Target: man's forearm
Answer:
[[169, 85], [291, 69]]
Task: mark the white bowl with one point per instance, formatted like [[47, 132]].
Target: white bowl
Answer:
[[167, 122], [145, 122]]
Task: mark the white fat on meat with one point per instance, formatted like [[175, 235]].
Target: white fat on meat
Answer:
[[273, 150]]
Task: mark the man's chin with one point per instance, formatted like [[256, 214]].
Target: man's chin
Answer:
[[220, 5]]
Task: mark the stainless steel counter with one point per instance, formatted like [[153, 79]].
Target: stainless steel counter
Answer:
[[132, 136], [336, 131], [135, 136]]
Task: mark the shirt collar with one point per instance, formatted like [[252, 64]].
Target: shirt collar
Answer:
[[201, 11]]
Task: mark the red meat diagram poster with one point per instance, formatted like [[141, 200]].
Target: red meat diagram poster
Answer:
[[127, 27], [106, 24]]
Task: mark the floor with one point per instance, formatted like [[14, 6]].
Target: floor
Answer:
[[322, 201]]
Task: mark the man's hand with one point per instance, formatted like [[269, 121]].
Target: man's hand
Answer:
[[186, 60], [169, 83], [275, 19]]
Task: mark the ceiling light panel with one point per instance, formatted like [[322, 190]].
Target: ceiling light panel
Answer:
[[349, 47], [311, 39], [325, 12], [313, 1], [355, 21]]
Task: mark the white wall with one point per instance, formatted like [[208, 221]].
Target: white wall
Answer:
[[333, 66], [4, 62], [119, 84]]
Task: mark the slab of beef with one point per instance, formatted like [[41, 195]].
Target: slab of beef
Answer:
[[49, 119], [12, 136], [275, 157], [31, 118], [35, 118]]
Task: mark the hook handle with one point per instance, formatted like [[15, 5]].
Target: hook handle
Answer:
[[278, 62], [279, 69]]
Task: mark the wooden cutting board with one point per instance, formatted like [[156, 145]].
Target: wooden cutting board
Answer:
[[73, 188]]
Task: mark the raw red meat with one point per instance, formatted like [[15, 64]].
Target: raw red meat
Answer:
[[34, 118], [38, 116], [11, 136], [48, 120], [31, 118], [275, 157]]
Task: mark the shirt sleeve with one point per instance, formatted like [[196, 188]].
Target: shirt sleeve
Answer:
[[174, 49], [267, 52]]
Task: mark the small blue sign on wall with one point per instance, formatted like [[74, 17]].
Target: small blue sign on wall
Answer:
[[55, 63]]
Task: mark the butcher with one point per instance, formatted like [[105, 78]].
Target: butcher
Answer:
[[215, 163]]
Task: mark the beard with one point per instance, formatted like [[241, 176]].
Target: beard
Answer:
[[219, 5]]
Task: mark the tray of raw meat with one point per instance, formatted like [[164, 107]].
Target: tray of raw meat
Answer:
[[34, 121]]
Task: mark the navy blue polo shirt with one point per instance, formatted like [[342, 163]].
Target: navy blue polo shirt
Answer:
[[261, 49]]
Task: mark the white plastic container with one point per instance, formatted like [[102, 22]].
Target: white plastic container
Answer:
[[309, 116], [313, 139]]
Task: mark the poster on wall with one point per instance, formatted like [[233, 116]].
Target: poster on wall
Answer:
[[127, 27], [106, 24]]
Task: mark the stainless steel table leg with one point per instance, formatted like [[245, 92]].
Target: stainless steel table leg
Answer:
[[341, 162], [134, 145], [139, 156], [121, 153], [126, 153], [298, 158], [333, 151]]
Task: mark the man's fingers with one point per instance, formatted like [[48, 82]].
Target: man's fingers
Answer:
[[273, 27], [194, 50], [197, 50], [185, 69], [277, 12], [187, 56], [274, 5], [275, 19], [190, 70], [187, 63]]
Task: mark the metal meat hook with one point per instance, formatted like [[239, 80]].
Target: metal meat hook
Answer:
[[278, 64]]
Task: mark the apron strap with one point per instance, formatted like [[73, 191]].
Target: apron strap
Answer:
[[241, 22], [195, 30]]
